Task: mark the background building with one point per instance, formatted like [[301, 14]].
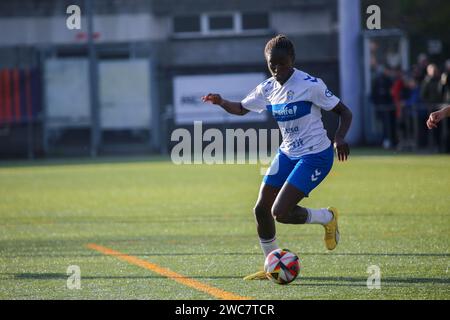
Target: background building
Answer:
[[149, 62], [145, 51]]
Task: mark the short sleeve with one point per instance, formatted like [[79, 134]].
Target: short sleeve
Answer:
[[322, 97], [255, 100]]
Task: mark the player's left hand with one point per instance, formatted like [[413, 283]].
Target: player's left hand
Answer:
[[342, 149], [434, 119]]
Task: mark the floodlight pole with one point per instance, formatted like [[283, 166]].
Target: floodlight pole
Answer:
[[93, 81], [350, 66]]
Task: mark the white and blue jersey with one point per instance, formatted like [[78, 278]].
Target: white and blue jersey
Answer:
[[295, 105], [305, 156]]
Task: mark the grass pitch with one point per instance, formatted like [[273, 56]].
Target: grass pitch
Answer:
[[196, 220]]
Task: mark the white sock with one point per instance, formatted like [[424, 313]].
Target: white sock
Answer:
[[319, 216], [268, 246]]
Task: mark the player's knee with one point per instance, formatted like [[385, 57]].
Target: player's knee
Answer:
[[278, 213], [260, 210]]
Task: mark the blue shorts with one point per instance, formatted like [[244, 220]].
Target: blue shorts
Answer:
[[304, 173]]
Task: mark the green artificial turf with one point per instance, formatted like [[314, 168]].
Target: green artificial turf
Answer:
[[197, 220]]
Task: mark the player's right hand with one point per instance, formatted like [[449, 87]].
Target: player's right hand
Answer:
[[214, 98]]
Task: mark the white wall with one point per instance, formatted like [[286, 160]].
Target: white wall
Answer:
[[136, 27], [298, 22], [53, 30]]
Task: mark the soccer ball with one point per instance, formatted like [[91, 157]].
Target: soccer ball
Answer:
[[282, 266]]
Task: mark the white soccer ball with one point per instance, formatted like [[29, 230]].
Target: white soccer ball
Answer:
[[282, 266]]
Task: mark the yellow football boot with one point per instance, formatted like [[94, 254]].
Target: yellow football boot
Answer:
[[260, 275], [331, 230]]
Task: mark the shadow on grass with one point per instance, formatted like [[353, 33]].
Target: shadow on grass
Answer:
[[136, 254], [169, 254], [147, 157], [362, 282], [379, 254], [67, 161], [301, 281], [63, 276]]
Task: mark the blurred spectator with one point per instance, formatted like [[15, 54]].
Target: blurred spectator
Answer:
[[422, 64], [411, 99], [445, 83], [430, 88], [416, 73], [403, 102], [399, 95], [382, 100], [413, 92], [398, 92], [393, 58], [431, 96]]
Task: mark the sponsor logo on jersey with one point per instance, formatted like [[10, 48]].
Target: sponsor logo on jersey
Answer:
[[290, 111], [328, 93], [285, 111], [291, 130]]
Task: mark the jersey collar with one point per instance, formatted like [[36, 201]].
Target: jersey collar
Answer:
[[290, 78]]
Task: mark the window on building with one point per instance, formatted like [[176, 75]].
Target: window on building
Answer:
[[255, 21], [221, 22], [187, 23]]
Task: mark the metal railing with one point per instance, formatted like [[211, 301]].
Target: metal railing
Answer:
[[406, 129]]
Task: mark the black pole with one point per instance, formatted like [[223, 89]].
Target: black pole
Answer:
[[93, 82]]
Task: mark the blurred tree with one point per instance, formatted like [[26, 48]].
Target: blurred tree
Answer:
[[427, 17], [422, 20]]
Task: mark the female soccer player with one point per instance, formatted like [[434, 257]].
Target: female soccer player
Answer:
[[305, 156]]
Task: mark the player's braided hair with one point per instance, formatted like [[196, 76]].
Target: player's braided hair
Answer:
[[280, 42]]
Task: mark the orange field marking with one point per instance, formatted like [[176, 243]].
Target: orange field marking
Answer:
[[215, 292]]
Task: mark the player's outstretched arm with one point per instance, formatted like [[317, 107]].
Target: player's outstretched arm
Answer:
[[345, 115], [229, 106], [437, 116]]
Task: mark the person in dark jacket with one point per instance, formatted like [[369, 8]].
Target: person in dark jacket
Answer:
[[382, 100]]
